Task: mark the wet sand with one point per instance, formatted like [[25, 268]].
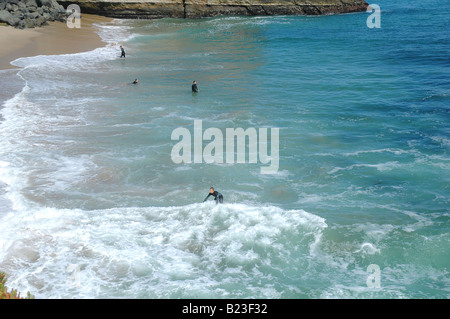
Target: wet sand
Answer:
[[55, 38]]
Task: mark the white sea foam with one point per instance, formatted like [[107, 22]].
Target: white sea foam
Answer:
[[382, 167], [395, 151], [116, 33], [444, 141], [25, 121], [421, 221], [368, 248], [112, 35]]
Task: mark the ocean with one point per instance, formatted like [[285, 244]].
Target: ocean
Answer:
[[93, 204]]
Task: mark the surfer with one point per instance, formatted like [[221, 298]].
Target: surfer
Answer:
[[123, 52], [136, 81], [217, 196], [194, 87]]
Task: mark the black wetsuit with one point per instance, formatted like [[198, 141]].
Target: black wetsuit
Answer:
[[123, 53], [217, 197], [194, 88]]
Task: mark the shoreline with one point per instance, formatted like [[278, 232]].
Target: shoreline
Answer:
[[53, 39]]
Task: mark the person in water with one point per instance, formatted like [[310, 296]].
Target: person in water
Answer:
[[217, 196], [123, 52], [136, 81], [194, 87]]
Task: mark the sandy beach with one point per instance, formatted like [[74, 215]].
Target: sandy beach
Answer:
[[54, 38]]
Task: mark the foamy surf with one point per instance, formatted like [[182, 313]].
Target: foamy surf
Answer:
[[27, 123], [198, 250]]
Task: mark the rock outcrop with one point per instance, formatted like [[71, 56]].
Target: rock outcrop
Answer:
[[30, 13], [35, 13], [148, 9]]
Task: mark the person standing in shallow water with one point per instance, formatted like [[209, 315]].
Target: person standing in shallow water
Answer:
[[123, 52], [218, 197], [194, 87]]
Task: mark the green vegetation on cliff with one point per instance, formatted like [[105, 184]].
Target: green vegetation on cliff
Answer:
[[12, 294]]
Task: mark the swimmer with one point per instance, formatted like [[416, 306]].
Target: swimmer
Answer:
[[194, 87], [217, 196]]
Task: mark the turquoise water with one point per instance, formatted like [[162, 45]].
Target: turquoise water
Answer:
[[100, 210]]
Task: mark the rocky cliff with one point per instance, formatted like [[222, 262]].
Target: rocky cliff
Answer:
[[148, 9], [30, 13]]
